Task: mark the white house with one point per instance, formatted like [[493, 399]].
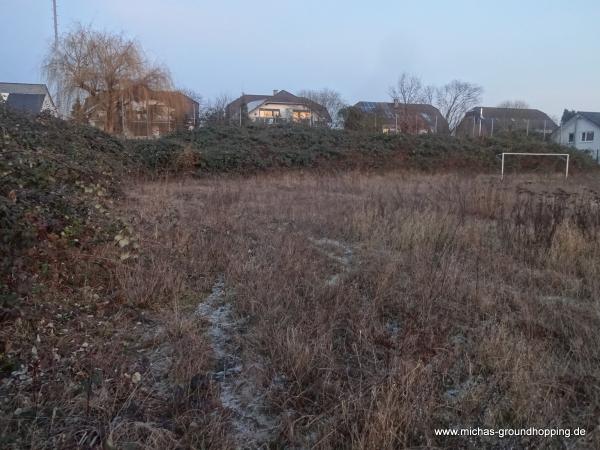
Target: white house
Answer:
[[27, 98], [281, 107], [582, 131]]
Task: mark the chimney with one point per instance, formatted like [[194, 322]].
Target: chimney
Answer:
[[275, 91]]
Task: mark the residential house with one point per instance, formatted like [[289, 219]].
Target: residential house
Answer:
[[486, 121], [281, 107], [581, 131], [398, 117], [26, 98], [142, 113]]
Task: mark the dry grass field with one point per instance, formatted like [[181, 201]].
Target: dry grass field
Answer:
[[363, 311], [301, 289]]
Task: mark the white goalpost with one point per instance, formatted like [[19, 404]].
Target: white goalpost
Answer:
[[562, 155]]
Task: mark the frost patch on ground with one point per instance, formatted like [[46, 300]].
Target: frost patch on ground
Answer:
[[157, 361], [337, 251], [253, 424], [462, 390], [560, 300]]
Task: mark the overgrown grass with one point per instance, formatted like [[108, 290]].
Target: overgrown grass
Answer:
[[372, 305], [466, 302], [85, 359]]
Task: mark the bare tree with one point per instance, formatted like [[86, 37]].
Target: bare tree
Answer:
[[102, 66], [429, 94], [455, 99], [215, 110], [408, 90], [514, 104], [329, 99]]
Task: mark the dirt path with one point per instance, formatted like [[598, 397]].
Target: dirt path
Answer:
[[254, 425]]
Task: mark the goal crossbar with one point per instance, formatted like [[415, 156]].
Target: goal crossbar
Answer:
[[538, 154]]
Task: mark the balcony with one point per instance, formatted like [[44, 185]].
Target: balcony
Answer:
[[282, 121]]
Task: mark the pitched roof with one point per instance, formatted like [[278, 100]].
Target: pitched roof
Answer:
[[172, 95], [388, 111], [23, 88], [593, 117], [26, 88], [174, 99], [510, 114], [283, 97], [26, 103]]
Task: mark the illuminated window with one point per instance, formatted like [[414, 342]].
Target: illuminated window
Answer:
[[301, 115], [269, 113]]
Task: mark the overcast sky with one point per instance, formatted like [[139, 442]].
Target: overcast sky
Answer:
[[546, 52]]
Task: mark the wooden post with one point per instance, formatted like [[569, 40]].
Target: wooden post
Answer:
[[122, 115], [544, 129]]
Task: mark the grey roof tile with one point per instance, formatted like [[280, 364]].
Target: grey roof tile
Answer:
[[26, 103], [23, 88]]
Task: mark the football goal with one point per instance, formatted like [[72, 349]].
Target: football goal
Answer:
[[560, 155]]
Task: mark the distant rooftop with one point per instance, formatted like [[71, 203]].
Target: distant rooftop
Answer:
[[26, 103], [488, 112], [593, 117], [279, 96], [23, 88], [389, 111], [22, 103]]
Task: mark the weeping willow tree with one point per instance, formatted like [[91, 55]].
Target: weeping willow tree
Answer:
[[103, 68]]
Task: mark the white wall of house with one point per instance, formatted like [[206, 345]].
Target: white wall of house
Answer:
[[581, 134], [47, 105]]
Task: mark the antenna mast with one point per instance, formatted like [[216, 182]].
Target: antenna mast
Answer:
[[55, 24], [58, 84]]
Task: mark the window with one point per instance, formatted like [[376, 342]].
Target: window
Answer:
[[270, 113], [587, 136], [571, 137], [301, 115]]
